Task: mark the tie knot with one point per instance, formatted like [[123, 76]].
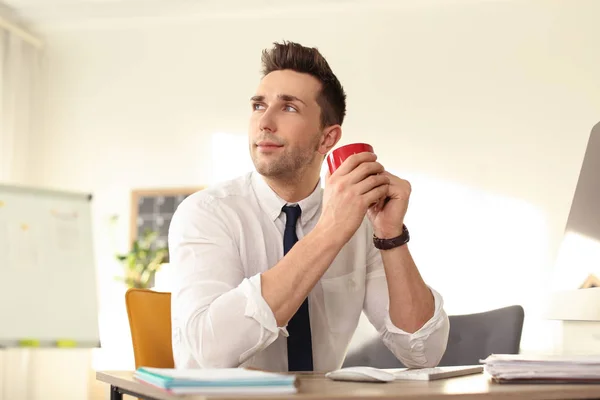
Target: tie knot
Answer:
[[292, 213]]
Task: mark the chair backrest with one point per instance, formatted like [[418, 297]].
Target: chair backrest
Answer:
[[472, 337], [149, 315]]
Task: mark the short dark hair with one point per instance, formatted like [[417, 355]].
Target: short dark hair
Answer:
[[308, 60]]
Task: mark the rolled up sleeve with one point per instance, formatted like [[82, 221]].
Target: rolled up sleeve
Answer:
[[219, 317], [423, 348]]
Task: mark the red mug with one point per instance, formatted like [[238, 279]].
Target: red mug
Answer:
[[337, 156]]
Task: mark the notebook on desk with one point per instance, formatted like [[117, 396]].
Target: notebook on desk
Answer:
[[217, 381]]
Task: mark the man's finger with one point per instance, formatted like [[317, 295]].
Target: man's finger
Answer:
[[367, 184], [365, 170], [354, 161], [327, 176], [376, 194], [380, 204]]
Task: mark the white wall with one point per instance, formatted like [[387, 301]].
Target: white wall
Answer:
[[486, 106]]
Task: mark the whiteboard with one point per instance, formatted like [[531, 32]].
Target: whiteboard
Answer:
[[48, 285]]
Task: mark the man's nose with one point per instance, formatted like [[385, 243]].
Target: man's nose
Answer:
[[267, 121]]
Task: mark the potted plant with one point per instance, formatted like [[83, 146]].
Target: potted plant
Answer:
[[142, 261]]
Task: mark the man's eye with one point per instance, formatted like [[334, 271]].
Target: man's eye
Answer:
[[257, 106], [290, 109]]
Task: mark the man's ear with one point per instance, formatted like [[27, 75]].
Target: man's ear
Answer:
[[331, 136]]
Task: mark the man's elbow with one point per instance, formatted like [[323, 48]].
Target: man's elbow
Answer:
[[433, 357], [204, 347], [427, 362], [212, 353], [421, 362], [217, 358], [432, 350]]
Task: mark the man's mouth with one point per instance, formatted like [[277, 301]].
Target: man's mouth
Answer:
[[268, 145]]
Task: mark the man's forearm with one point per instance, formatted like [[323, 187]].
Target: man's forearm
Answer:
[[285, 286], [411, 301]]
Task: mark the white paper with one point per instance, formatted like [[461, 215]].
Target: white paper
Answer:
[[4, 238], [519, 366], [67, 233], [519, 359], [22, 246]]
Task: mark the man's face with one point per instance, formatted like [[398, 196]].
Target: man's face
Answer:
[[285, 130]]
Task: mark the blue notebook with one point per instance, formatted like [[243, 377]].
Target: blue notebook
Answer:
[[218, 380]]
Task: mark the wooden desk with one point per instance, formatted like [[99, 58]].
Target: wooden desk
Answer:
[[316, 386]]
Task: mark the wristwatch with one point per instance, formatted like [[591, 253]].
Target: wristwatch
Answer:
[[387, 244]]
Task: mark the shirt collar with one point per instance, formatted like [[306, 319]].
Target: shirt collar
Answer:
[[272, 204]]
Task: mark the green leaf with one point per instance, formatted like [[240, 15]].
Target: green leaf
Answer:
[[142, 261]]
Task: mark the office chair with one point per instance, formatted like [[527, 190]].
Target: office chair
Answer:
[[472, 337], [149, 315]]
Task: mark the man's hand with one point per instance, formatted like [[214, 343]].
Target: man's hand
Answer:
[[357, 184], [349, 191], [387, 216]]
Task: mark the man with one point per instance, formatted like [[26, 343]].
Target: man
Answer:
[[271, 271]]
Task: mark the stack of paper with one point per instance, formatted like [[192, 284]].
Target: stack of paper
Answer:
[[543, 368], [209, 381]]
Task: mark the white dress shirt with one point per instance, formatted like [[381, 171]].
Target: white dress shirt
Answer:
[[222, 238]]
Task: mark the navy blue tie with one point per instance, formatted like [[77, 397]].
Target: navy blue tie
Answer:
[[299, 342]]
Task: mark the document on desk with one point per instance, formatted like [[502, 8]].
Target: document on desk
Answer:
[[507, 368], [221, 380]]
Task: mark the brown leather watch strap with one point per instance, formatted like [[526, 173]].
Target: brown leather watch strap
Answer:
[[387, 244]]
